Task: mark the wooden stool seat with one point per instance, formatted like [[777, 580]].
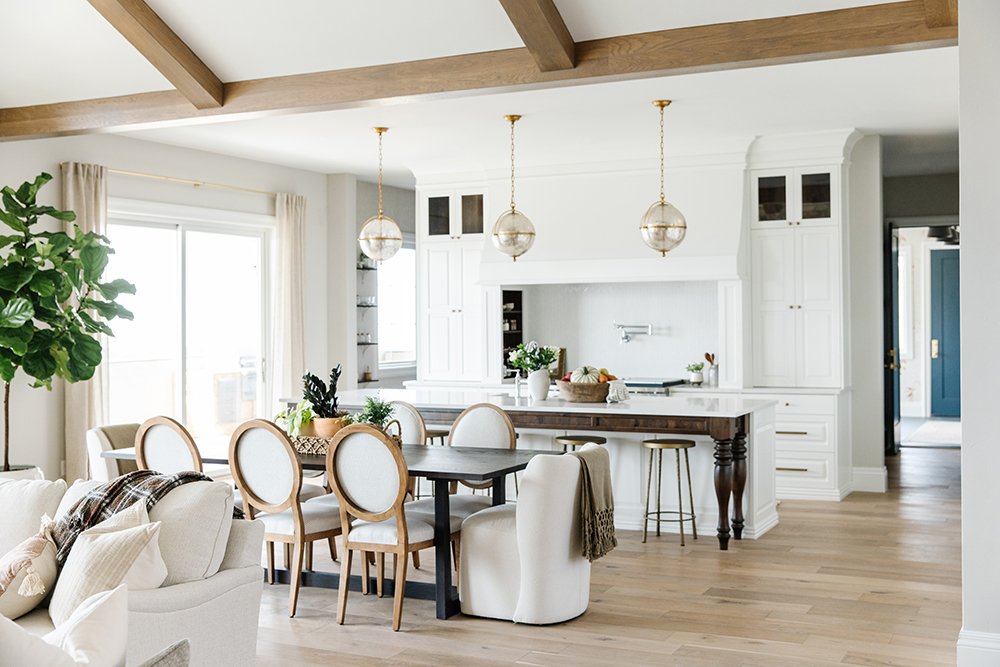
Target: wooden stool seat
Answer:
[[575, 441], [668, 443], [656, 446], [434, 434]]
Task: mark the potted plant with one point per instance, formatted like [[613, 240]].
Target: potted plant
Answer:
[[53, 305], [296, 420], [535, 360], [377, 413], [695, 376], [327, 419]]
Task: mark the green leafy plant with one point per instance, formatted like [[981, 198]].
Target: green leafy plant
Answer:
[[292, 419], [321, 396], [376, 412], [53, 305], [696, 367], [532, 357]]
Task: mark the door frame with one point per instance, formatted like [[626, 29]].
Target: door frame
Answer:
[[889, 228]]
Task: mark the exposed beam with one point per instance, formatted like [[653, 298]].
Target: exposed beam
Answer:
[[940, 13], [161, 46], [856, 31], [543, 31]]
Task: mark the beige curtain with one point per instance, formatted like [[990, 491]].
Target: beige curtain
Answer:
[[287, 353], [85, 191]]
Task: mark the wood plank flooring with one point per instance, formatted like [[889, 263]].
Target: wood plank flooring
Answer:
[[873, 580]]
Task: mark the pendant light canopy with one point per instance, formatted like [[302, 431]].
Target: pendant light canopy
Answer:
[[663, 226], [380, 237], [513, 233]]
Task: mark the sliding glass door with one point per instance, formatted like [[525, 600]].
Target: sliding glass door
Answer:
[[195, 348]]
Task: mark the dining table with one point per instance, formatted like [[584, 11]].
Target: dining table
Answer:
[[440, 465]]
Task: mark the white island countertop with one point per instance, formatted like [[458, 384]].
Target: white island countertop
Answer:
[[666, 406]]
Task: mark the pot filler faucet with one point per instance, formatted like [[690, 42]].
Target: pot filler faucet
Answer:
[[626, 331]]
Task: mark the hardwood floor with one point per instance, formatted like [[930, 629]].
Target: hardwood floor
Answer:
[[873, 580]]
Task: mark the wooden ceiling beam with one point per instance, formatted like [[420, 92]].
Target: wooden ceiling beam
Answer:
[[941, 13], [856, 31], [161, 46], [543, 32]]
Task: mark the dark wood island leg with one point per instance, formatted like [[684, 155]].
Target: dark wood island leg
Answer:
[[739, 482], [723, 486]]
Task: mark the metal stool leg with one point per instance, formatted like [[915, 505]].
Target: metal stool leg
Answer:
[[680, 496], [694, 524], [659, 481], [649, 486]]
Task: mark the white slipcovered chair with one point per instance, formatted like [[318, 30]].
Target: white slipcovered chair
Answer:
[[524, 562], [368, 473], [268, 472], [108, 438]]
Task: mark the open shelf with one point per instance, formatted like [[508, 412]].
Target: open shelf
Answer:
[[367, 344], [367, 268], [366, 306]]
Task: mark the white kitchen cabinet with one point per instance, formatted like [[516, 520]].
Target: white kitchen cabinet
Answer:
[[796, 306], [449, 215], [795, 196]]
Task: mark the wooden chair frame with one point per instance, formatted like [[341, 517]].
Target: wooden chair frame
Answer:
[[174, 425], [348, 509], [252, 503]]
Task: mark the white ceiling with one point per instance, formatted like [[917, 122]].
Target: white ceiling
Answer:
[[64, 50], [912, 94]]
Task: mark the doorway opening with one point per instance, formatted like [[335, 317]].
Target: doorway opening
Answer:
[[922, 333]]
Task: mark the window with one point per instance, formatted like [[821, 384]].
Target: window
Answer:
[[397, 311], [194, 349]]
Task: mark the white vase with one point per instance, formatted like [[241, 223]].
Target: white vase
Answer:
[[538, 384], [712, 376], [695, 377], [21, 472]]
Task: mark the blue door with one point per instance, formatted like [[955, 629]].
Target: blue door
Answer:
[[946, 351]]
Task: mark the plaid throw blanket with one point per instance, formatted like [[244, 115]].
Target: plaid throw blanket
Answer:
[[597, 503], [100, 503]]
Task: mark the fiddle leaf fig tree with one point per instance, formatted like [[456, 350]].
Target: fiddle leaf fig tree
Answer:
[[53, 305]]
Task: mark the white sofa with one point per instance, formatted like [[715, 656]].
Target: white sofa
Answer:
[[212, 593], [522, 562]]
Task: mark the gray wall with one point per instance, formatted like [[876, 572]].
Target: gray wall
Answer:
[[397, 203], [925, 195]]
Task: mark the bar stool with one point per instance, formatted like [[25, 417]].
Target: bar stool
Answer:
[[575, 441], [657, 445], [434, 434]]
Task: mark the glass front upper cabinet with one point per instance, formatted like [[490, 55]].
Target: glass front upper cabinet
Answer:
[[454, 216], [772, 198], [793, 197], [815, 196], [438, 216]]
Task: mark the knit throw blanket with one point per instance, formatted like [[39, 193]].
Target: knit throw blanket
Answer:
[[597, 503], [101, 502]]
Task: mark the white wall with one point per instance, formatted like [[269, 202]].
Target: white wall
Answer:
[[342, 251], [684, 316], [979, 85], [864, 238], [37, 415]]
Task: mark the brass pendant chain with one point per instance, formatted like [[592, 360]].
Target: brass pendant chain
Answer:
[[380, 130], [663, 198], [512, 121]]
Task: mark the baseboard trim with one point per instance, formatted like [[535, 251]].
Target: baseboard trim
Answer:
[[870, 480], [809, 494], [978, 649]]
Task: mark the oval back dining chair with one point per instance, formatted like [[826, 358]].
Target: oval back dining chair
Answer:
[[412, 431], [369, 476], [268, 472], [164, 445], [482, 425]]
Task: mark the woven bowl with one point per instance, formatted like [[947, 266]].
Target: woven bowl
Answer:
[[577, 392]]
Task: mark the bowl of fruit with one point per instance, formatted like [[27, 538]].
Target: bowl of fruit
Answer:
[[587, 384]]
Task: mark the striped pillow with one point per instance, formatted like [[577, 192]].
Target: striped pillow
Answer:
[[124, 548]]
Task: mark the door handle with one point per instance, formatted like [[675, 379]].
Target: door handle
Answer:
[[935, 348], [892, 365]]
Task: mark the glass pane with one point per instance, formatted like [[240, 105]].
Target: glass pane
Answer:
[[771, 200], [144, 355], [472, 214], [438, 216], [223, 336], [397, 314], [815, 196]]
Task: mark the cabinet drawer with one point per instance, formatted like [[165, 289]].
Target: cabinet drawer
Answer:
[[800, 404], [804, 471], [814, 434]]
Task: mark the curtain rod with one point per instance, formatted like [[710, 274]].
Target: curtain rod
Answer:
[[187, 181]]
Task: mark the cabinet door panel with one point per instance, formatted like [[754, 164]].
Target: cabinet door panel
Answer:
[[774, 267], [774, 347], [472, 351], [818, 306], [773, 280], [815, 191], [771, 197], [438, 335]]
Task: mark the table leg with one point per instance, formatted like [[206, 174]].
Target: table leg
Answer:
[[739, 482], [499, 490], [723, 486], [447, 602]]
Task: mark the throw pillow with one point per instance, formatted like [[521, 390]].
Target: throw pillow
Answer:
[[196, 518], [23, 503], [178, 655], [27, 573], [122, 549], [96, 635], [78, 490]]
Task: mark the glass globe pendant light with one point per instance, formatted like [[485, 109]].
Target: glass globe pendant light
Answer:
[[380, 237], [663, 226], [513, 233]]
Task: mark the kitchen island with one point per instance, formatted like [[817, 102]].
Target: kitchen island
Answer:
[[740, 430]]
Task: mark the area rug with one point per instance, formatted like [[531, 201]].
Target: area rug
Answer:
[[937, 432]]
